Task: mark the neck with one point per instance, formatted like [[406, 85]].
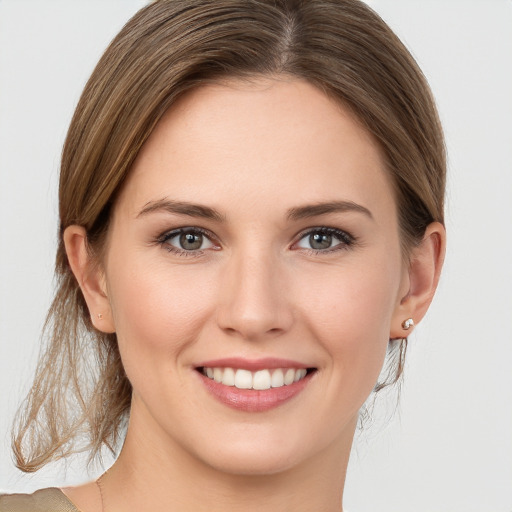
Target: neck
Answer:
[[152, 475]]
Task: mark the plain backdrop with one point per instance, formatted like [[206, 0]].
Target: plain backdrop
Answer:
[[449, 446]]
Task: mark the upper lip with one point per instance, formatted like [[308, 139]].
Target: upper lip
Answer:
[[253, 365]]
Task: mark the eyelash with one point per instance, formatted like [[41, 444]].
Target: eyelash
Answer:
[[169, 235], [346, 240]]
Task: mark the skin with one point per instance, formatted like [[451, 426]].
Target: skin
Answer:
[[254, 152]]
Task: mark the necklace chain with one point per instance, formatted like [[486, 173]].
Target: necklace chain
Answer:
[[98, 483]]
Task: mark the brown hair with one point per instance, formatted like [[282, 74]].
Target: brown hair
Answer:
[[168, 48]]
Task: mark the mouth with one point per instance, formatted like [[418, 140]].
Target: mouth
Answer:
[[257, 386], [261, 380]]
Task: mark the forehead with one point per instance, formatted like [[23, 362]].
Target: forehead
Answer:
[[282, 139]]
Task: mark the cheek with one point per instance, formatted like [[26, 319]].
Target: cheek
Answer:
[[351, 318], [157, 310]]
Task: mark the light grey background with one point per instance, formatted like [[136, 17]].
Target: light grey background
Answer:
[[449, 448]]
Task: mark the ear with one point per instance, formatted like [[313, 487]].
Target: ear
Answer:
[[420, 280], [90, 277]]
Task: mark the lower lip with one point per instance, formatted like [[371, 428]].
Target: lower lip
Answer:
[[252, 400]]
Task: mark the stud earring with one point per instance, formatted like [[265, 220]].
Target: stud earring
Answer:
[[407, 324], [100, 316]]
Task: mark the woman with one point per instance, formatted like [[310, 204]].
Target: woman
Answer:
[[251, 208]]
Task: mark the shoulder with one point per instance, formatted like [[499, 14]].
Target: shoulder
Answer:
[[44, 500]]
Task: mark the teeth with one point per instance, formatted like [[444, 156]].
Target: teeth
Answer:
[[289, 376], [217, 374], [277, 378], [299, 375], [243, 379], [260, 380], [228, 378]]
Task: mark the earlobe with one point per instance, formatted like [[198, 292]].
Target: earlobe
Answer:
[[423, 274], [90, 278]]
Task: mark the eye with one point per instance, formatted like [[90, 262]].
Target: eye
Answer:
[[324, 240], [187, 240]]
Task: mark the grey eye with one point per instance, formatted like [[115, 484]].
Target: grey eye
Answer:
[[324, 239], [191, 241], [320, 241]]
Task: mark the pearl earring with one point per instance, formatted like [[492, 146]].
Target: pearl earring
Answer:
[[407, 324]]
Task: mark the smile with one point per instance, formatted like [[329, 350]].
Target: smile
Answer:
[[259, 380], [254, 386]]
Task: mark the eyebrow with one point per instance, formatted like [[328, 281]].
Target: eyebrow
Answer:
[[314, 210], [181, 208], [206, 212]]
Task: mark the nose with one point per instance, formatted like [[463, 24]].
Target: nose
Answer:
[[254, 300]]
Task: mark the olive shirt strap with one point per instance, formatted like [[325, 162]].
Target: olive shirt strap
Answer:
[[44, 500]]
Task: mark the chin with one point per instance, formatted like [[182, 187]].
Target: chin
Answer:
[[253, 452], [253, 462]]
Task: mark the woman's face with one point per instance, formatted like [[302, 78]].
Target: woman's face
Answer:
[[255, 243]]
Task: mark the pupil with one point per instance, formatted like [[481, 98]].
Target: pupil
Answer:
[[320, 240], [190, 241]]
